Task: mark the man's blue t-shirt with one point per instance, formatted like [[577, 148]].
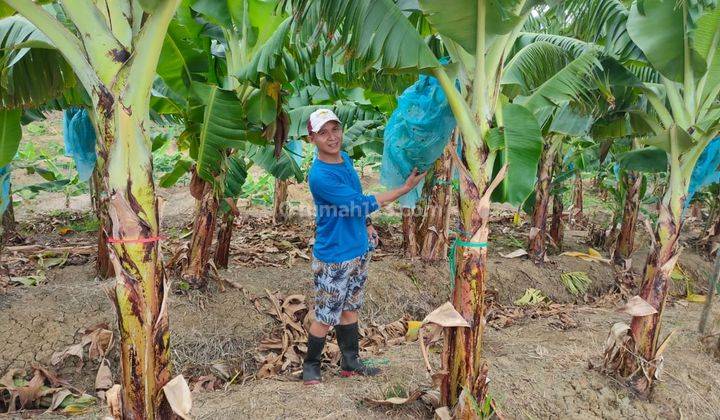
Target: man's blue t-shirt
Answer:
[[341, 209]]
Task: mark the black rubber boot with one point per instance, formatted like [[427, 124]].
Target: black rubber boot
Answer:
[[348, 337], [311, 365]]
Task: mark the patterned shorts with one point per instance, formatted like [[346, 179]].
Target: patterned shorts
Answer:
[[339, 287]]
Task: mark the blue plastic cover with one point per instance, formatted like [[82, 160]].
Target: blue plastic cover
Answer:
[[707, 169], [415, 135], [295, 147], [79, 136], [4, 188]]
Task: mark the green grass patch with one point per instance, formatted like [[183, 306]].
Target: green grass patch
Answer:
[[37, 128], [86, 224], [387, 220]]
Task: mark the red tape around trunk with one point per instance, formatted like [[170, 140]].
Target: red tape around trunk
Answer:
[[134, 241]]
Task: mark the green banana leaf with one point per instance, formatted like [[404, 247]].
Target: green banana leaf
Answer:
[[283, 168], [218, 125], [10, 134], [519, 145]]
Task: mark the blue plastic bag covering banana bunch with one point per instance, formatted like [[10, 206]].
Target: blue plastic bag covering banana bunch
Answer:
[[295, 147], [5, 188], [707, 169], [79, 137], [415, 135]]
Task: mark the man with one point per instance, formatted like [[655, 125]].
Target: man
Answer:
[[343, 238]]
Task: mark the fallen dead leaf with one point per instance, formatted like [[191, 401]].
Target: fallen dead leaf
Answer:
[[206, 383], [113, 397], [177, 393], [58, 399], [515, 254], [103, 378], [283, 348], [637, 306], [222, 370], [443, 413], [54, 379], [591, 255], [79, 404], [31, 392], [75, 350], [397, 400], [446, 316], [44, 390], [100, 341]]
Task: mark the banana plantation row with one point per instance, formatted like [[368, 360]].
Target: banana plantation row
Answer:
[[540, 92]]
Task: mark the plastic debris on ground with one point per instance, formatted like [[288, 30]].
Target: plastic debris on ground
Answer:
[[415, 135], [79, 137]]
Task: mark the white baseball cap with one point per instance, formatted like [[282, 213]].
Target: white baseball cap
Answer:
[[319, 117]]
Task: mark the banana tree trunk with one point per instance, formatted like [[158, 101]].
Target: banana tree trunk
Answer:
[[7, 230], [626, 239], [707, 309], [432, 231], [636, 360], [222, 249], [409, 243], [119, 82], [103, 266], [465, 383], [536, 243], [556, 225], [713, 235], [9, 226], [140, 292], [280, 206], [578, 196], [195, 272], [462, 352]]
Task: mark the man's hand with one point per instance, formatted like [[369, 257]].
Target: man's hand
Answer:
[[414, 179], [410, 183], [373, 237]]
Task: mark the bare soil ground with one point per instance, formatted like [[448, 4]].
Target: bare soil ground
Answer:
[[541, 366]]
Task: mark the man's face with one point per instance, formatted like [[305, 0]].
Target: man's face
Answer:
[[329, 138]]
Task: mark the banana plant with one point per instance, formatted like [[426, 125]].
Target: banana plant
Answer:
[[113, 52], [631, 186], [557, 190], [578, 27], [273, 69], [685, 104], [537, 76], [204, 50], [53, 86], [433, 227], [24, 50]]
